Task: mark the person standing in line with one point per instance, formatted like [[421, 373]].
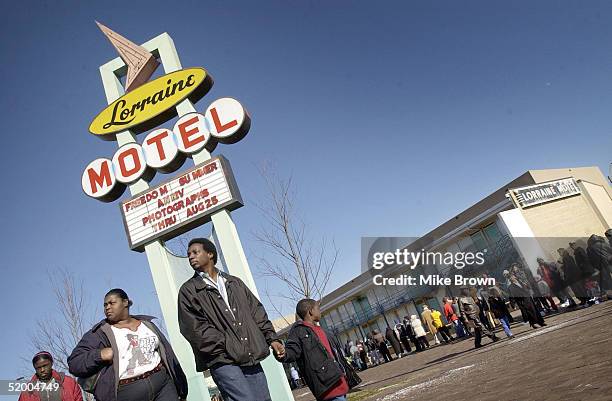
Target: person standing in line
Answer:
[[48, 384], [426, 316], [499, 309], [523, 298], [546, 294], [419, 332], [382, 346], [226, 325], [551, 274], [582, 260], [347, 347], [573, 275], [470, 310], [318, 355], [363, 355], [440, 326], [375, 356], [354, 355], [450, 315], [409, 331], [394, 341], [404, 338], [462, 319], [600, 255]]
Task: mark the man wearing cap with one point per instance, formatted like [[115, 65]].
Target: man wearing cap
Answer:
[[227, 327], [48, 384]]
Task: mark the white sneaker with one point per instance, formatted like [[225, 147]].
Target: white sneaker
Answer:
[[564, 304]]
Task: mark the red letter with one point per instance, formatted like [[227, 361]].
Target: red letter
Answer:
[[99, 180], [220, 128], [130, 152], [157, 141], [185, 134]]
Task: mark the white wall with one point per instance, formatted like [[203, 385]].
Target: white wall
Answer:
[[513, 222]]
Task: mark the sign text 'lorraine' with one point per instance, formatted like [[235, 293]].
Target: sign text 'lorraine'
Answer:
[[180, 204], [151, 104]]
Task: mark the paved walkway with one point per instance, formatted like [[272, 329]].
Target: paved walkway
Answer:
[[571, 359]]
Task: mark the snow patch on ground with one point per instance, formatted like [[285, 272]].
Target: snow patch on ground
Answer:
[[400, 394], [539, 332]]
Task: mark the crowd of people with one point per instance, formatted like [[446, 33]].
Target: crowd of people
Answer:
[[126, 357], [580, 277]]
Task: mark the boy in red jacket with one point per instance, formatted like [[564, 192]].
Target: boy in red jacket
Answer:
[[48, 384]]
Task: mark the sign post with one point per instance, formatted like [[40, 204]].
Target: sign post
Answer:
[[169, 271]]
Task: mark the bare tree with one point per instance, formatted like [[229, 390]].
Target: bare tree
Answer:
[[304, 265], [59, 333]]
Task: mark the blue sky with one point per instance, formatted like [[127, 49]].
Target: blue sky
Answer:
[[391, 117]]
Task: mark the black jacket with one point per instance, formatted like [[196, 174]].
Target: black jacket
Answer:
[[600, 255], [320, 371], [582, 260], [392, 338], [517, 291], [216, 337], [571, 269], [86, 360], [498, 307]]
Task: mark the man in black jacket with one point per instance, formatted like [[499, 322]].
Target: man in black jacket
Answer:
[[573, 275], [227, 327]]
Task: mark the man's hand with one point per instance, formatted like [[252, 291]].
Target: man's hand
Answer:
[[107, 354], [279, 350]]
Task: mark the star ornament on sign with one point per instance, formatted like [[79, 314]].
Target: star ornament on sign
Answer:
[[140, 63]]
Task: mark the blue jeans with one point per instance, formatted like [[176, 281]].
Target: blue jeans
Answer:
[[241, 383], [505, 325], [339, 398], [459, 328]]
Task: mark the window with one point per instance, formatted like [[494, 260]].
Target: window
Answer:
[[466, 244], [493, 234], [479, 241]]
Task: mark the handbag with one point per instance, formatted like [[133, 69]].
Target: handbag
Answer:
[[352, 378]]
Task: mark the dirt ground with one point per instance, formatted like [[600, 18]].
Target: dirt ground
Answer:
[[569, 360]]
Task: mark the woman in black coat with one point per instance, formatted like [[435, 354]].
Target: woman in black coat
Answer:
[[126, 357], [394, 341], [523, 298]]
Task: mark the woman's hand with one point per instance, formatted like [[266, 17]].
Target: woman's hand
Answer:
[[107, 354]]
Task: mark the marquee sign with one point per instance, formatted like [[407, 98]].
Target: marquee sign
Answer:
[[541, 193], [180, 204], [151, 104]]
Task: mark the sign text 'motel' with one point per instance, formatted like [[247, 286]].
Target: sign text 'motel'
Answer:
[[165, 150]]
